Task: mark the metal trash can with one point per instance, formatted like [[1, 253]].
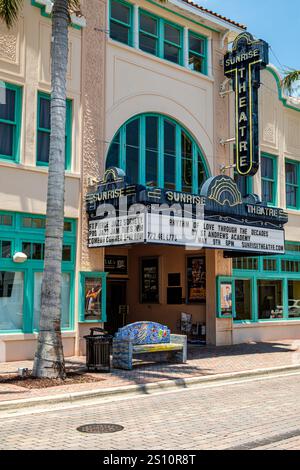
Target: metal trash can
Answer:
[[98, 349]]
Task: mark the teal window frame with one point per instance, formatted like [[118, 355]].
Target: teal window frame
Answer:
[[296, 185], [68, 134], [17, 234], [203, 56], [222, 280], [15, 157], [6, 239], [164, 41], [121, 160], [153, 36], [90, 274], [160, 36], [272, 180], [127, 25], [262, 274]]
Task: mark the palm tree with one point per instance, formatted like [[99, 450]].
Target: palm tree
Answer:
[[49, 357], [290, 79]]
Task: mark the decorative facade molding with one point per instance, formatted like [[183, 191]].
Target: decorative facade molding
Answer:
[[46, 9]]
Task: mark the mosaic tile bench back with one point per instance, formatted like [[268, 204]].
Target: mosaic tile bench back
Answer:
[[146, 332]]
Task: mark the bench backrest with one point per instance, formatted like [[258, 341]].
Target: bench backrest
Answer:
[[145, 332]]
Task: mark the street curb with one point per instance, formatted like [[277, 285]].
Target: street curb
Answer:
[[144, 389]]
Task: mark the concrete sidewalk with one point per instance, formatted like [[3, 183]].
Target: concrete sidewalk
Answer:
[[204, 363]]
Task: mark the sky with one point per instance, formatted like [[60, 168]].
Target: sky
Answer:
[[275, 21]]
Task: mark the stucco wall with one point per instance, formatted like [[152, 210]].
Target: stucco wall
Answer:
[[25, 61], [137, 82], [93, 76]]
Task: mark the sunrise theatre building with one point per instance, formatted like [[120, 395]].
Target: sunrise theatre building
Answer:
[[178, 223]]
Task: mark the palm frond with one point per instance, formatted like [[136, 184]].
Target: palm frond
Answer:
[[290, 79], [74, 6], [9, 11]]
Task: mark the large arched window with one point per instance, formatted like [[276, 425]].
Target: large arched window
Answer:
[[156, 151]]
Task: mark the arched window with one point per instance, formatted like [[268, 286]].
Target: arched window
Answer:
[[156, 151]]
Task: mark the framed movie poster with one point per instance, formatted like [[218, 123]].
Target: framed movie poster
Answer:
[[226, 299], [196, 279], [149, 285], [93, 297]]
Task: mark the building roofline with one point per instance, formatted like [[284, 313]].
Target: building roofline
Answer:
[[208, 14], [289, 102]]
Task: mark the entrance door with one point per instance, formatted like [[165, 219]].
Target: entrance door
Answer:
[[116, 296]]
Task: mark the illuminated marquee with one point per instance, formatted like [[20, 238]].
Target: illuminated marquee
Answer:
[[243, 64]]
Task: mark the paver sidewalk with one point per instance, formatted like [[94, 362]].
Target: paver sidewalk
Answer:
[[202, 361]]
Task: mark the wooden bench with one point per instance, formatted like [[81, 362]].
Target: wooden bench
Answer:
[[150, 341]]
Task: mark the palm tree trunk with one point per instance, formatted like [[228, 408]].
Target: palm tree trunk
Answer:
[[49, 357]]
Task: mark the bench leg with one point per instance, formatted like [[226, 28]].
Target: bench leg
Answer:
[[122, 355], [181, 356], [178, 357]]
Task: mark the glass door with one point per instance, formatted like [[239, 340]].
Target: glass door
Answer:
[[11, 300]]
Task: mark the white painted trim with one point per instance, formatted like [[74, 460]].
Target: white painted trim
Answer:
[[186, 47], [135, 26], [207, 16], [266, 324], [209, 57], [48, 4], [5, 337], [76, 20]]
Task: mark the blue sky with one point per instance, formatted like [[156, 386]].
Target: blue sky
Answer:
[[275, 21]]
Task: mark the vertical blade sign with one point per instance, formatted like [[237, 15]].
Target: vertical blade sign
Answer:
[[243, 65]]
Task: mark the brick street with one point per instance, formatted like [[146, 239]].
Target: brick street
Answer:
[[202, 361], [261, 413]]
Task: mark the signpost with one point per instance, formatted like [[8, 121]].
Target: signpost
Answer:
[[243, 64]]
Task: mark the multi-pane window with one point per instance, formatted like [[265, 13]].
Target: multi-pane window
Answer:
[[172, 43], [243, 300], [44, 130], [120, 25], [160, 38], [151, 151], [289, 246], [250, 264], [10, 121], [270, 299], [292, 184], [156, 36], [290, 266], [197, 53], [268, 179], [21, 284], [148, 35], [36, 251], [6, 220], [5, 249], [155, 151], [65, 299], [244, 183], [187, 163], [169, 154], [33, 222], [270, 264]]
